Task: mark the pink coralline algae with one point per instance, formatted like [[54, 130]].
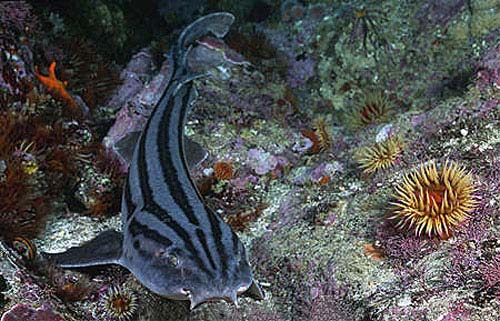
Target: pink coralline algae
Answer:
[[263, 162], [325, 169], [490, 272], [300, 71], [489, 69], [25, 312]]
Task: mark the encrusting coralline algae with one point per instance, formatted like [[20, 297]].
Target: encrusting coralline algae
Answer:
[[328, 237]]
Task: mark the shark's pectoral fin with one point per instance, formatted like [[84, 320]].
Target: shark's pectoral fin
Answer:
[[195, 154], [105, 248], [254, 291], [125, 146]]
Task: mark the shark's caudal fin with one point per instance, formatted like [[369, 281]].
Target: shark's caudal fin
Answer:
[[217, 23], [105, 248]]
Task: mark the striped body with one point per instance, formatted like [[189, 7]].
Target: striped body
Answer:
[[168, 230], [171, 242]]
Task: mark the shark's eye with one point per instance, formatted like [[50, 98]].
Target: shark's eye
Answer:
[[172, 260], [168, 257]]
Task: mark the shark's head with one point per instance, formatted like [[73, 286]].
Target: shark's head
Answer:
[[200, 271]]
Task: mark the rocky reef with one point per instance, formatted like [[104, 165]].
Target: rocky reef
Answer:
[[354, 147]]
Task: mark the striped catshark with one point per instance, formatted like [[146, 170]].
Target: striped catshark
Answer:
[[171, 241]]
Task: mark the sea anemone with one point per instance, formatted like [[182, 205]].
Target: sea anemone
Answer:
[[325, 140], [373, 107], [120, 303], [433, 200], [380, 155]]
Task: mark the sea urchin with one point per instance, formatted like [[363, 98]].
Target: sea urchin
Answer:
[[435, 201]]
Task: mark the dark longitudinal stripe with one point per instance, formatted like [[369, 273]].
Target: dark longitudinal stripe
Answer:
[[135, 228], [128, 199], [170, 174], [215, 228], [214, 223], [234, 239], [203, 241], [152, 207]]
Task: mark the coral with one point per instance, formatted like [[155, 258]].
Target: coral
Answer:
[[300, 71], [57, 89], [380, 155], [324, 299], [488, 73], [324, 170], [102, 182], [435, 201], [120, 303], [263, 162], [437, 13]]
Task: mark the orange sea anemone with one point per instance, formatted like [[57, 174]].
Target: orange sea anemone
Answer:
[[435, 201]]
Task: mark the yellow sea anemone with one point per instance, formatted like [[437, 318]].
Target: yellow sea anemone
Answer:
[[379, 156], [325, 140], [433, 200]]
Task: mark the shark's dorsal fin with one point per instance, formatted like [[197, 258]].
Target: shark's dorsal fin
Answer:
[[105, 248]]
